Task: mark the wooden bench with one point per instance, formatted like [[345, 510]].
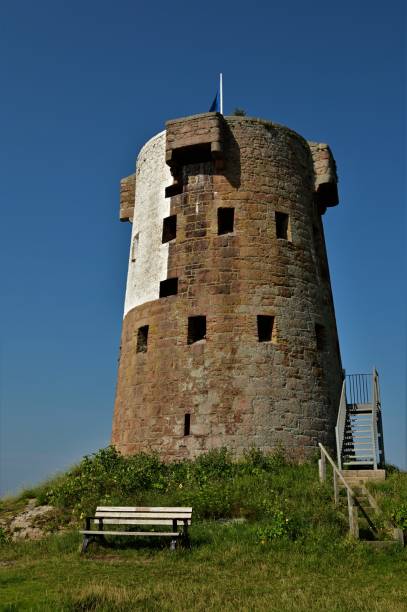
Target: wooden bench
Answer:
[[178, 518]]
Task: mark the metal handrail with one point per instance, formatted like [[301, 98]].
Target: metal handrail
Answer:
[[340, 425], [375, 409]]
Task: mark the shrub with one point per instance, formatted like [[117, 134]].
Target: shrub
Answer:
[[399, 516]]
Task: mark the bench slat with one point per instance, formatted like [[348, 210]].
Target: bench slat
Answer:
[[142, 509], [137, 515], [127, 521], [173, 534]]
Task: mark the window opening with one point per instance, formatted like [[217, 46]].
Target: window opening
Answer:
[[282, 225], [265, 324], [226, 217], [196, 329], [134, 247], [168, 287], [320, 336], [187, 424], [142, 338], [169, 228]]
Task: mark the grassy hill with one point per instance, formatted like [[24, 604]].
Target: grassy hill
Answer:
[[265, 536]]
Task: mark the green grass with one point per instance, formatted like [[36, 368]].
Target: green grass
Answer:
[[292, 551], [227, 569]]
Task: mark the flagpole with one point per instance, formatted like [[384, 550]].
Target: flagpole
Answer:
[[221, 92]]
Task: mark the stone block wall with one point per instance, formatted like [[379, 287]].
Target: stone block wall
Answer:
[[127, 197]]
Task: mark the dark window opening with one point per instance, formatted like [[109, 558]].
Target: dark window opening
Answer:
[[265, 324], [169, 228], [142, 338], [324, 271], [193, 154], [320, 336], [168, 287], [187, 424], [134, 247], [175, 189], [226, 217], [196, 329], [282, 225]]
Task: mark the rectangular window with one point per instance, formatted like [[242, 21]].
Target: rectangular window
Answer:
[[169, 228], [142, 338], [196, 329], [187, 424], [282, 226], [168, 287], [134, 247], [175, 189], [320, 335], [226, 218], [265, 324]]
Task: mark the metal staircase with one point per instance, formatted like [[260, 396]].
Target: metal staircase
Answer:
[[359, 431]]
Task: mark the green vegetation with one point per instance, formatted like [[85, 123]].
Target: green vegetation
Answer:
[[239, 112], [392, 497], [265, 536]]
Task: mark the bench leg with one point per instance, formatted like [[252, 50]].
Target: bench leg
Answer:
[[85, 543], [103, 540], [173, 544], [185, 536]]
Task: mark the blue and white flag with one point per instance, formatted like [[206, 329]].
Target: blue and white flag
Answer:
[[215, 106]]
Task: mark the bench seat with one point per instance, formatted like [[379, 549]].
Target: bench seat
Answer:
[[173, 534], [179, 518]]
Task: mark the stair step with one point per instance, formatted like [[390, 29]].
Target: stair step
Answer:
[[358, 462], [358, 444], [381, 543], [361, 458]]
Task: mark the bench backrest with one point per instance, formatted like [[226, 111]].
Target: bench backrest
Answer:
[[139, 515]]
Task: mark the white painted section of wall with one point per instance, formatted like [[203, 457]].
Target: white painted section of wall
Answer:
[[151, 206]]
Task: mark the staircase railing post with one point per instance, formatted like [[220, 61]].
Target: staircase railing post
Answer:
[[336, 488], [322, 467], [353, 517], [340, 425], [375, 400]]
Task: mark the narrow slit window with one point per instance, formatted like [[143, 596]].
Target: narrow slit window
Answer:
[[226, 220], [320, 334], [282, 225], [196, 329], [265, 324], [142, 339], [169, 228], [187, 424], [168, 287], [134, 247], [175, 189]]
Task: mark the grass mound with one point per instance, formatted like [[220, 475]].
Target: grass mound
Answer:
[[286, 499], [291, 551]]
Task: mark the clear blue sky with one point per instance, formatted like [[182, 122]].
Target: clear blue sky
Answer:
[[83, 85]]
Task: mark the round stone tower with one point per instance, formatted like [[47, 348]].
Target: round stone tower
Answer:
[[229, 335]]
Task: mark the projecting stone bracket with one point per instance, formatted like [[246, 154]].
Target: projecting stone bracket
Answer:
[[127, 197], [193, 140], [326, 179]]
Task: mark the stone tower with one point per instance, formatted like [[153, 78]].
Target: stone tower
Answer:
[[229, 335]]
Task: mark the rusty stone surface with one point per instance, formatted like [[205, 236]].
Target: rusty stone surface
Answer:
[[325, 176], [194, 131], [127, 197], [240, 392]]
